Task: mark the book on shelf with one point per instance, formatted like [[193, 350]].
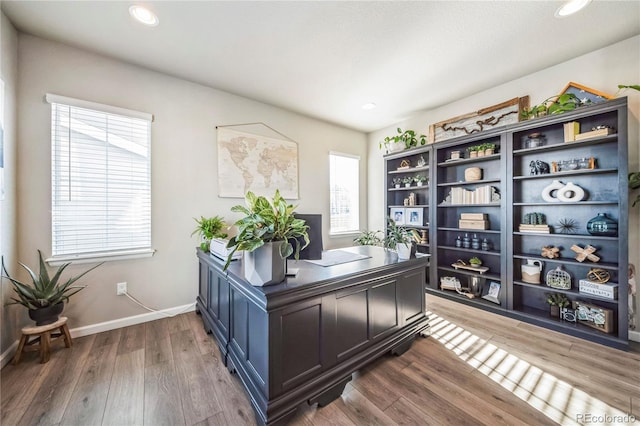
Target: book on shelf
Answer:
[[481, 195], [540, 229]]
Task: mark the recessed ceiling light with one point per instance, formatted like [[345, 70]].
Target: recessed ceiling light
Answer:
[[570, 7], [144, 15], [368, 106]]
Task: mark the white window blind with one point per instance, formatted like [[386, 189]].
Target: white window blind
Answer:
[[101, 180], [344, 184]]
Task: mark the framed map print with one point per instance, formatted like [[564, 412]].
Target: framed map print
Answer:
[[261, 164]]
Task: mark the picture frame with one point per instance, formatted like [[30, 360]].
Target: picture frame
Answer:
[[398, 215], [413, 216], [585, 94], [493, 292]]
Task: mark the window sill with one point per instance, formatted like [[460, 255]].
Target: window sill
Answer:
[[344, 234], [100, 257]]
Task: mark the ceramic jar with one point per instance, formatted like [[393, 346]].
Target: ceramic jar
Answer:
[[570, 193]]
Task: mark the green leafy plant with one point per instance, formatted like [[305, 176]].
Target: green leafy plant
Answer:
[[208, 229], [397, 181], [407, 179], [45, 290], [396, 234], [634, 183], [552, 105], [420, 178], [407, 137], [369, 238], [628, 86], [475, 261], [489, 146], [557, 299], [473, 148], [268, 221]]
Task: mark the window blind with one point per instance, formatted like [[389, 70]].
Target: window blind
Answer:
[[101, 180]]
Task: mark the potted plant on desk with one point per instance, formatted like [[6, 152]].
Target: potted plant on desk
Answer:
[[398, 238], [208, 229], [265, 235], [46, 296]]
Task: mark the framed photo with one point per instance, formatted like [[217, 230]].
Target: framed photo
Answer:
[[585, 94], [413, 216], [398, 215], [493, 293]]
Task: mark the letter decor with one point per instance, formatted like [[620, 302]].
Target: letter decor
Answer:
[[585, 253], [557, 191]]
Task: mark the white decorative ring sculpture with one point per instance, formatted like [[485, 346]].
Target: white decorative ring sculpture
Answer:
[[547, 192], [570, 193]]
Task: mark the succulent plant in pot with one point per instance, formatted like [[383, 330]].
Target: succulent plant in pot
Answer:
[[407, 181], [419, 179], [265, 235], [46, 295], [208, 229]]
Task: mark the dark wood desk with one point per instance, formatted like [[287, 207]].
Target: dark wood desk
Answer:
[[302, 339]]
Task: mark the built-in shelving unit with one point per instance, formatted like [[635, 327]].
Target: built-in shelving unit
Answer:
[[508, 170]]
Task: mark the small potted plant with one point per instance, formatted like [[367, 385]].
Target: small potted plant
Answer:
[[473, 151], [407, 181], [397, 181], [556, 302], [403, 140], [489, 148], [208, 229], [419, 179], [552, 105], [369, 238], [46, 296], [398, 238], [475, 262]]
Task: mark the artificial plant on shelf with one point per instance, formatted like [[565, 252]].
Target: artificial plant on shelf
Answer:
[[407, 137], [552, 105]]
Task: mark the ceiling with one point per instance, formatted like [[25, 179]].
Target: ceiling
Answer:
[[326, 59]]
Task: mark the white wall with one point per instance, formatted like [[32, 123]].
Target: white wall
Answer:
[[602, 70], [184, 168], [11, 317]]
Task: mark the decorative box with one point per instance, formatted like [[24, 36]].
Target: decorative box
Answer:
[[473, 224], [473, 216], [218, 247], [594, 316], [607, 290]]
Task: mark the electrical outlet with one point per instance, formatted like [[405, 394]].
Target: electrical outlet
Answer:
[[121, 289]]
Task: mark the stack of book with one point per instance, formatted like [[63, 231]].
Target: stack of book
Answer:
[[481, 195], [540, 229]]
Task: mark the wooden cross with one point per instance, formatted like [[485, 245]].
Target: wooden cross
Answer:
[[585, 253], [551, 252]]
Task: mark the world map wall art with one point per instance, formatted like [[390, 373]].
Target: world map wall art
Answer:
[[261, 164]]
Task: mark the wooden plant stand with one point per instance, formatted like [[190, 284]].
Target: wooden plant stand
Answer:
[[42, 339]]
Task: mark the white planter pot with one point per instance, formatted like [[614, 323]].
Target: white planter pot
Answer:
[[396, 147], [407, 185], [264, 265], [404, 251]]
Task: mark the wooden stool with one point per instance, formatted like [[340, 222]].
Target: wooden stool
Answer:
[[44, 337]]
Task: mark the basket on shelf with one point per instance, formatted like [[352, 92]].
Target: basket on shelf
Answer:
[[557, 278]]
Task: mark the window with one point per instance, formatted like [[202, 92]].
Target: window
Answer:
[[100, 180], [344, 183]]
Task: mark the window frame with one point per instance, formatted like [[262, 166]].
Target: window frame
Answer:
[[356, 231], [109, 254]]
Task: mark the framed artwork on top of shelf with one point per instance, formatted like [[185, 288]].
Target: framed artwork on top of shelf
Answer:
[[585, 94], [413, 216], [398, 215]]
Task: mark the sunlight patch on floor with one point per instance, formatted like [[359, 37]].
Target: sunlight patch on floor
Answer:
[[556, 398]]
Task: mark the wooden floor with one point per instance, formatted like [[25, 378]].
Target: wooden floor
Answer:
[[476, 368]]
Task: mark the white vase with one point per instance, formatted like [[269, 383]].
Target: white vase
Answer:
[[404, 251], [548, 194], [570, 193]]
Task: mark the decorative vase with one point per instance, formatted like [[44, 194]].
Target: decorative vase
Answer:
[[570, 193], [264, 265], [472, 174], [46, 315], [548, 194], [531, 271], [602, 225], [404, 251]]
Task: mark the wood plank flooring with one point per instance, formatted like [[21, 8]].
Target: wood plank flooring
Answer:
[[475, 369]]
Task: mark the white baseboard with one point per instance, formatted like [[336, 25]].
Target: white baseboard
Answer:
[[8, 354], [109, 325], [634, 335]]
